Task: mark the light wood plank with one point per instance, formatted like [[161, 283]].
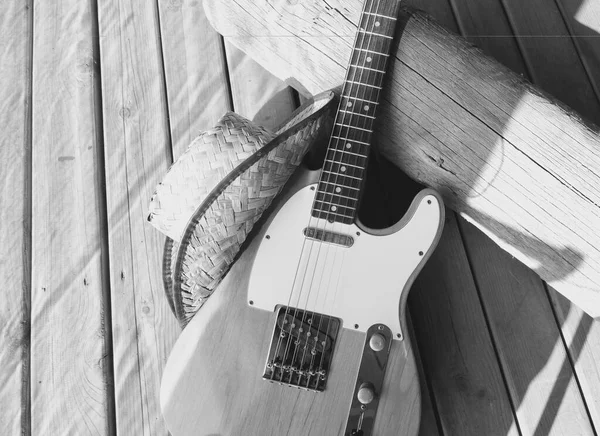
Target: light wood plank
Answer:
[[195, 71], [455, 346], [70, 391], [15, 214], [137, 153]]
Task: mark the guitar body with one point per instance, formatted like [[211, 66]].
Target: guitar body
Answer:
[[213, 382]]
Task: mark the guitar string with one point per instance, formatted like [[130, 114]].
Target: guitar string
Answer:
[[319, 242], [336, 249], [366, 28]]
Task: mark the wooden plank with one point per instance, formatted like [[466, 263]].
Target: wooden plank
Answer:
[[137, 153], [582, 18], [537, 369], [550, 55], [582, 336], [70, 375], [195, 71], [485, 24], [15, 214], [455, 345]]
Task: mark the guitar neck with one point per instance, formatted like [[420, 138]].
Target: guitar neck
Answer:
[[343, 172]]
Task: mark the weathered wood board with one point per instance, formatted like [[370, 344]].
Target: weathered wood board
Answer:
[[137, 154], [460, 122], [15, 215], [70, 371]]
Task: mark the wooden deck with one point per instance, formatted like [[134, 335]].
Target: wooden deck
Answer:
[[98, 98]]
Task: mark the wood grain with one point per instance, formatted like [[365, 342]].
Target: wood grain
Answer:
[[15, 215], [69, 369], [446, 101], [455, 345], [551, 56], [137, 153], [195, 71], [537, 369], [582, 18]]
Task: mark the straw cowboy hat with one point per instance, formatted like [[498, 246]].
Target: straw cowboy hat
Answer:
[[218, 189]]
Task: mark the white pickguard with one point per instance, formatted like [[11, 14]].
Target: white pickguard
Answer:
[[361, 284]]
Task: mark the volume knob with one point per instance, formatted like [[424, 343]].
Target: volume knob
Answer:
[[377, 342], [366, 393]]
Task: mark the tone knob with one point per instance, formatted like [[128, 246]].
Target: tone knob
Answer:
[[366, 393], [377, 342]]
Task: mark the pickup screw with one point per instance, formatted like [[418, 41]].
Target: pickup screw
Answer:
[[355, 326], [428, 201], [420, 253], [268, 237]]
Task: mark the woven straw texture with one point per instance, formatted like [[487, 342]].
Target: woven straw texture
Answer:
[[226, 207]]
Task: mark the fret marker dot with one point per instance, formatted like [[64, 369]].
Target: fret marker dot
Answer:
[[369, 59], [366, 107], [333, 208], [349, 104], [377, 23], [348, 145], [338, 189], [343, 169]]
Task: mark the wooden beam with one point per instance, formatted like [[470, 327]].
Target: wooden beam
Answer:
[[137, 154], [70, 371], [506, 156], [15, 214]]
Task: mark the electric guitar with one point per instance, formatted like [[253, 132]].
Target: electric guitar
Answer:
[[307, 333]]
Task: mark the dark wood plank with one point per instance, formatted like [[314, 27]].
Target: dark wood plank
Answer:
[[550, 55], [195, 71], [137, 154], [536, 367], [582, 335], [15, 214], [455, 344], [582, 18], [70, 378]]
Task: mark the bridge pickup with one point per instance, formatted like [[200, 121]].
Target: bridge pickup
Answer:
[[328, 237], [301, 348]]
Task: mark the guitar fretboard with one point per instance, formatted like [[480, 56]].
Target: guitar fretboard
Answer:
[[341, 181]]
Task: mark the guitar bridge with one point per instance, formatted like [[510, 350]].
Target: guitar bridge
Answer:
[[301, 349]]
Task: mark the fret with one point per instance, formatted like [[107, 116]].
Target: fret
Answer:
[[336, 205], [335, 184], [361, 99], [353, 127], [334, 194], [380, 15], [351, 140], [342, 175], [356, 113], [372, 51], [363, 84], [344, 163], [327, 216], [376, 34], [367, 68]]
